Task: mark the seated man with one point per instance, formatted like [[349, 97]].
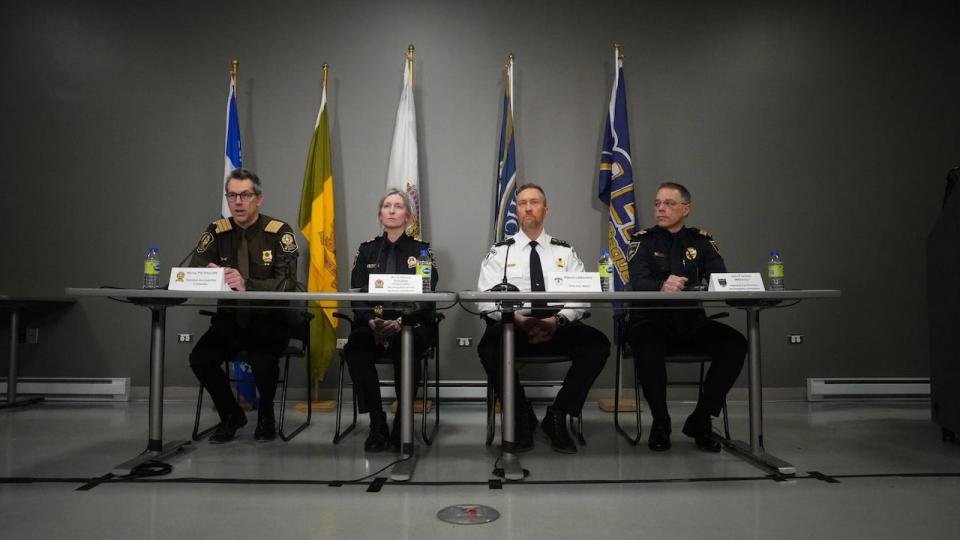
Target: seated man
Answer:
[[670, 258], [258, 253], [540, 330]]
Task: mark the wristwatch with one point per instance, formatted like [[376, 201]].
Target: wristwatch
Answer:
[[561, 319]]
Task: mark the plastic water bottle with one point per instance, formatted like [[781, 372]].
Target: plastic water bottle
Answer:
[[151, 269], [424, 269], [775, 271], [605, 267]]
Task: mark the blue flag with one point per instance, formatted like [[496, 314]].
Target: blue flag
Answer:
[[242, 372], [505, 213], [616, 179]]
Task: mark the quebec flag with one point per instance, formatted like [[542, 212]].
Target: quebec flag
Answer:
[[616, 179], [231, 158]]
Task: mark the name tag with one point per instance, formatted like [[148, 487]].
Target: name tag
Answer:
[[197, 279], [395, 284], [573, 282], [745, 281]]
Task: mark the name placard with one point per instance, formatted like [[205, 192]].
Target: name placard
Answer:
[[744, 281], [197, 279], [573, 282], [395, 284]]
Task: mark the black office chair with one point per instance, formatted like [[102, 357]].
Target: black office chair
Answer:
[[300, 331], [679, 355], [433, 350], [522, 361]]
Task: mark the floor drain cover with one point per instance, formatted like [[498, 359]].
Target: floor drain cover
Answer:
[[468, 514]]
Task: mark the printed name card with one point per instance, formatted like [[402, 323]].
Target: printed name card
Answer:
[[573, 282], [395, 284], [197, 279], [744, 281]]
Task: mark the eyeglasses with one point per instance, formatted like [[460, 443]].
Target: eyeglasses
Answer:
[[669, 203], [246, 196]]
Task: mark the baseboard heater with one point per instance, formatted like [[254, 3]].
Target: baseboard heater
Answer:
[[477, 390], [867, 388], [72, 389]]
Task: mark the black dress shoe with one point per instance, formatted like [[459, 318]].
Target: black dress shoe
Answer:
[[266, 426], [555, 426], [699, 427], [227, 429], [379, 435], [659, 438]]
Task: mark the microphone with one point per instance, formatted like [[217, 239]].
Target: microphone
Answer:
[[504, 285]]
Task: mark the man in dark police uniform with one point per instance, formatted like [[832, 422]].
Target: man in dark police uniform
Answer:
[[258, 253], [671, 258]]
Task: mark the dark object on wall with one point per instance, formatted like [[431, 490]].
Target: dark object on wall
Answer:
[[943, 294]]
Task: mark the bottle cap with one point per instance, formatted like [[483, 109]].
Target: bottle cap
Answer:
[[155, 248], [424, 252], [775, 253], [604, 251]]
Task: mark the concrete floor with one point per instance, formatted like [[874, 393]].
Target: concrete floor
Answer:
[[890, 476]]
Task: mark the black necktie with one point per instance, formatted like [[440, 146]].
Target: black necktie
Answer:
[[390, 266], [536, 280], [243, 264]]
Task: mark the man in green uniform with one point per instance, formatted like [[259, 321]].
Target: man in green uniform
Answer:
[[257, 253]]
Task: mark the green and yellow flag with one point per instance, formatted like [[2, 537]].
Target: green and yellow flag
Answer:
[[317, 225]]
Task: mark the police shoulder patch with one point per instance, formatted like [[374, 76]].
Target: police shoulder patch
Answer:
[[559, 242], [288, 243], [433, 258], [205, 240], [274, 226], [632, 250], [222, 225]]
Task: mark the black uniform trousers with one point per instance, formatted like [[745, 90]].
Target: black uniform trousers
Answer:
[[652, 340], [585, 346], [361, 353], [264, 341]]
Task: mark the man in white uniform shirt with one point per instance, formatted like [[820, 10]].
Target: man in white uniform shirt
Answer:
[[526, 258]]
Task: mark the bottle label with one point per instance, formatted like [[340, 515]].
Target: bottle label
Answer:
[[151, 268], [775, 270], [606, 271], [423, 270]]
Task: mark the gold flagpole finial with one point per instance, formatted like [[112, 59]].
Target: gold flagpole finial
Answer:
[[326, 69], [510, 59], [234, 69], [410, 61]]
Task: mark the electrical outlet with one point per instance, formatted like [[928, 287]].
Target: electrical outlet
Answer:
[[795, 339], [184, 338], [341, 343], [464, 341]]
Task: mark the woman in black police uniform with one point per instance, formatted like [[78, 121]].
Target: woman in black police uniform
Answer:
[[376, 330]]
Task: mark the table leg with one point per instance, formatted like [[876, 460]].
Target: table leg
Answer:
[[754, 452], [512, 470], [12, 373], [156, 450], [403, 471]]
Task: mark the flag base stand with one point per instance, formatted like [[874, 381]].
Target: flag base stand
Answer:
[[325, 405], [625, 405]]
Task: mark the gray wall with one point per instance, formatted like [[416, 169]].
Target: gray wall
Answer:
[[823, 130]]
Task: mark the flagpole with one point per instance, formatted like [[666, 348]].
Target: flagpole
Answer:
[[234, 69], [410, 62], [326, 69]]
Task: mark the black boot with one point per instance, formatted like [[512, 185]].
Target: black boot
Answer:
[[659, 438], [228, 427], [266, 425], [395, 433], [379, 435], [699, 426], [523, 428], [555, 426]]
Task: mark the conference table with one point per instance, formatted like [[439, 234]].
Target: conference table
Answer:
[[751, 302], [158, 300], [18, 306]]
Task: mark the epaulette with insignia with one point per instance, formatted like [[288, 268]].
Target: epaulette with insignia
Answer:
[[370, 241], [222, 225], [559, 242], [274, 226], [704, 233], [502, 243]]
